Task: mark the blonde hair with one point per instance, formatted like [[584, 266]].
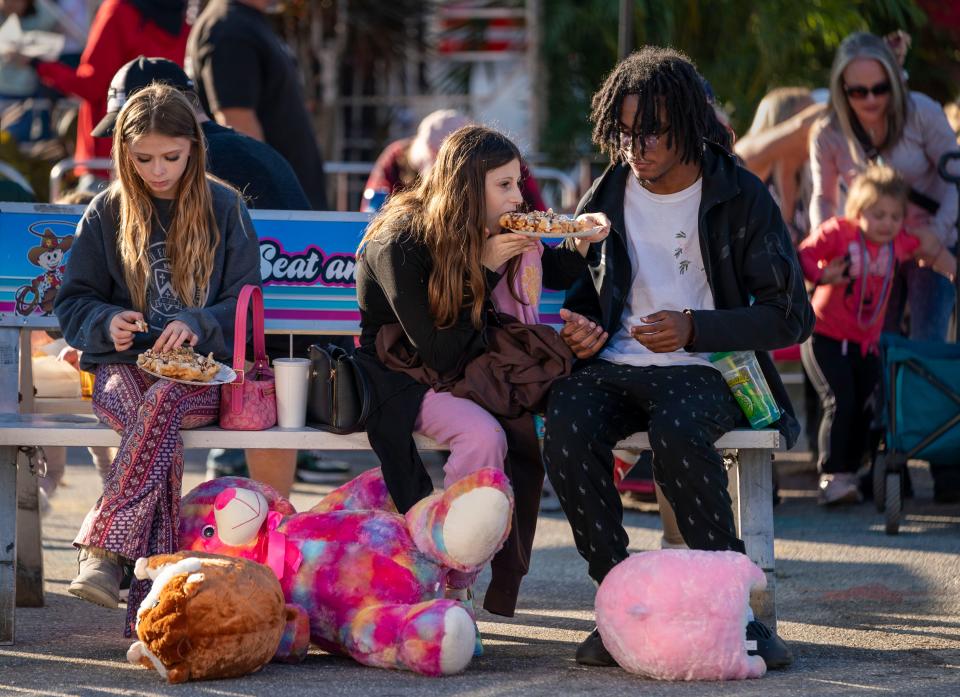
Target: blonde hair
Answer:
[[873, 184], [193, 235], [446, 212], [777, 106], [854, 47]]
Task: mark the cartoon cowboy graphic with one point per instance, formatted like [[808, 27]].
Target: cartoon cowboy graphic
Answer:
[[42, 290]]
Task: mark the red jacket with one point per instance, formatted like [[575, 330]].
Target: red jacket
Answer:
[[118, 34]]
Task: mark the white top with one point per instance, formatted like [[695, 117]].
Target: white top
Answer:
[[668, 272]]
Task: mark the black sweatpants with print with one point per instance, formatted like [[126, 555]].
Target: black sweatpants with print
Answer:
[[685, 409], [845, 380]]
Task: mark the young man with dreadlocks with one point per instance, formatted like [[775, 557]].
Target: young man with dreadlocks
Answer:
[[698, 260]]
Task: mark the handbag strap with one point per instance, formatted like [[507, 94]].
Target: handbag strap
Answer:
[[251, 297]]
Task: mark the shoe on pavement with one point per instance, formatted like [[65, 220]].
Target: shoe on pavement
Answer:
[[592, 652], [229, 462], [99, 579], [125, 583], [770, 647], [842, 487], [314, 468]]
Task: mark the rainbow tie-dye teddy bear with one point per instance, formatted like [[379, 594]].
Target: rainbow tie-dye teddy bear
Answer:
[[370, 581]]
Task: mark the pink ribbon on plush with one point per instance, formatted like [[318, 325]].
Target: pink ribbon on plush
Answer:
[[277, 549]]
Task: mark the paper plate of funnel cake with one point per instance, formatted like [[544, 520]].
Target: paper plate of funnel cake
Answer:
[[184, 365], [547, 224]]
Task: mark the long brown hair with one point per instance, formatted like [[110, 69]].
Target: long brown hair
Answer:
[[193, 235], [447, 213]]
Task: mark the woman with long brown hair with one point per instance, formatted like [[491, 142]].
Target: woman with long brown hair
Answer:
[[159, 260], [436, 261]]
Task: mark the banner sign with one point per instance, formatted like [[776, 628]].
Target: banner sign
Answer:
[[307, 265]]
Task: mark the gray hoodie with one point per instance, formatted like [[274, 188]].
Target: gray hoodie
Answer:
[[94, 289]]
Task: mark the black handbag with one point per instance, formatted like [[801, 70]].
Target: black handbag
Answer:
[[338, 397]]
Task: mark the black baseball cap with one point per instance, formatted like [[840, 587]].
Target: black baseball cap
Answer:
[[134, 76]]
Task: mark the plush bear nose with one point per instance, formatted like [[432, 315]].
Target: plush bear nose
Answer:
[[239, 514]]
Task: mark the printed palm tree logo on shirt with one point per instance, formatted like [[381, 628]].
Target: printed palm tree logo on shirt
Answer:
[[678, 253]]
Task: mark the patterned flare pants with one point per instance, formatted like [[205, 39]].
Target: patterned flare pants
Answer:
[[138, 514]]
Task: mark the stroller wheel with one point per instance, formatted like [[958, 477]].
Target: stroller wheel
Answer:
[[893, 502], [879, 479]]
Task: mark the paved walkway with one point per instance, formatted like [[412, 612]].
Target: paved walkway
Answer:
[[866, 614]]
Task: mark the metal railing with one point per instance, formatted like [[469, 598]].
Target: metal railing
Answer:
[[340, 173], [347, 193], [68, 165]]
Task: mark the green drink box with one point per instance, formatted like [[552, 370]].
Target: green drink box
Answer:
[[748, 385]]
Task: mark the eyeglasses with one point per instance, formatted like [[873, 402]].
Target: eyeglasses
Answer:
[[650, 142], [861, 91]]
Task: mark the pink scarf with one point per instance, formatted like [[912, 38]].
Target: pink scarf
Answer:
[[527, 286]]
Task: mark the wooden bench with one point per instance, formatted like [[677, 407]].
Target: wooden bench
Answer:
[[321, 302]]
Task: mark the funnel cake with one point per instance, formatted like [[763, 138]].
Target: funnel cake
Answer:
[[179, 364]]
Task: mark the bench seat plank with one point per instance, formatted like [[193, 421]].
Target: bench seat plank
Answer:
[[84, 430]]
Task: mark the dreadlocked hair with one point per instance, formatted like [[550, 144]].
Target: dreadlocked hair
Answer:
[[666, 83]]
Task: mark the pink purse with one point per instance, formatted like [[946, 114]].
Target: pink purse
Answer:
[[250, 402]]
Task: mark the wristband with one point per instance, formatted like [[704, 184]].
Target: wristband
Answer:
[[693, 327]]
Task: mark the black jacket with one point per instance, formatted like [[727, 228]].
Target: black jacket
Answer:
[[751, 267]]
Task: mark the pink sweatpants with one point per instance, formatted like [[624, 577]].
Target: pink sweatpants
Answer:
[[474, 436]]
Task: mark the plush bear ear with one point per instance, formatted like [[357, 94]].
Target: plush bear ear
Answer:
[[239, 514]]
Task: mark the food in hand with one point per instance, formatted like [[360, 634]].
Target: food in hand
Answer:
[[545, 224], [180, 364], [142, 326]]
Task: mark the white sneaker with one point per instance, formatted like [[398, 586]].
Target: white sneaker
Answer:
[[839, 488]]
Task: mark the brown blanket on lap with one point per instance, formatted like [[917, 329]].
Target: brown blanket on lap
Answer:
[[510, 378]]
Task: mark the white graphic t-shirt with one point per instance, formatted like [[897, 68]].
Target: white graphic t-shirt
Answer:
[[668, 272]]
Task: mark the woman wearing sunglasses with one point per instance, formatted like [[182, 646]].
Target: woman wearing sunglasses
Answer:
[[873, 118]]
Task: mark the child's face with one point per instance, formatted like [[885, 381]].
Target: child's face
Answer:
[[160, 161], [882, 221], [501, 193]]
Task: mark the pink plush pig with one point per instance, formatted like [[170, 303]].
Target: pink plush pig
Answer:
[[680, 614], [371, 581]]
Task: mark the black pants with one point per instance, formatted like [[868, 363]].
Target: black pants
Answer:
[[684, 408], [844, 380]]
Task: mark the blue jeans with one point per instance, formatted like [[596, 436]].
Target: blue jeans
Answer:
[[930, 297]]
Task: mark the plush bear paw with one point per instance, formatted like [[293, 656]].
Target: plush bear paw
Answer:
[[463, 527]]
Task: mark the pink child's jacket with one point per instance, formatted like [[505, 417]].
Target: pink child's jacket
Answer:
[[850, 310]]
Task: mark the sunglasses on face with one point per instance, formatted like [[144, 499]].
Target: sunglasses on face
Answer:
[[861, 91]]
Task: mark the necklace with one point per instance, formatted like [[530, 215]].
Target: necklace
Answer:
[[881, 302]]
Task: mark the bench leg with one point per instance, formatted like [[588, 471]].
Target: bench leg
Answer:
[[29, 538], [8, 542], [754, 515]]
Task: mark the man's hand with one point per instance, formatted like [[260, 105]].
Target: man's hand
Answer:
[[175, 334], [585, 338], [122, 328], [499, 249], [664, 331]]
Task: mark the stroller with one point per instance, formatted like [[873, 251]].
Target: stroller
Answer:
[[921, 388]]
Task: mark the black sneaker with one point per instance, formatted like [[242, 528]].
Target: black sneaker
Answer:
[[769, 646], [592, 652], [315, 468], [125, 583]]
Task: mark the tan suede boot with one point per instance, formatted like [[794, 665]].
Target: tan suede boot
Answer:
[[99, 579]]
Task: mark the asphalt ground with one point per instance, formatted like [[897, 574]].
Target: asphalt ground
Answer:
[[865, 613]]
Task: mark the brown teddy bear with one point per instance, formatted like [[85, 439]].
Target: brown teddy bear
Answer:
[[208, 616]]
